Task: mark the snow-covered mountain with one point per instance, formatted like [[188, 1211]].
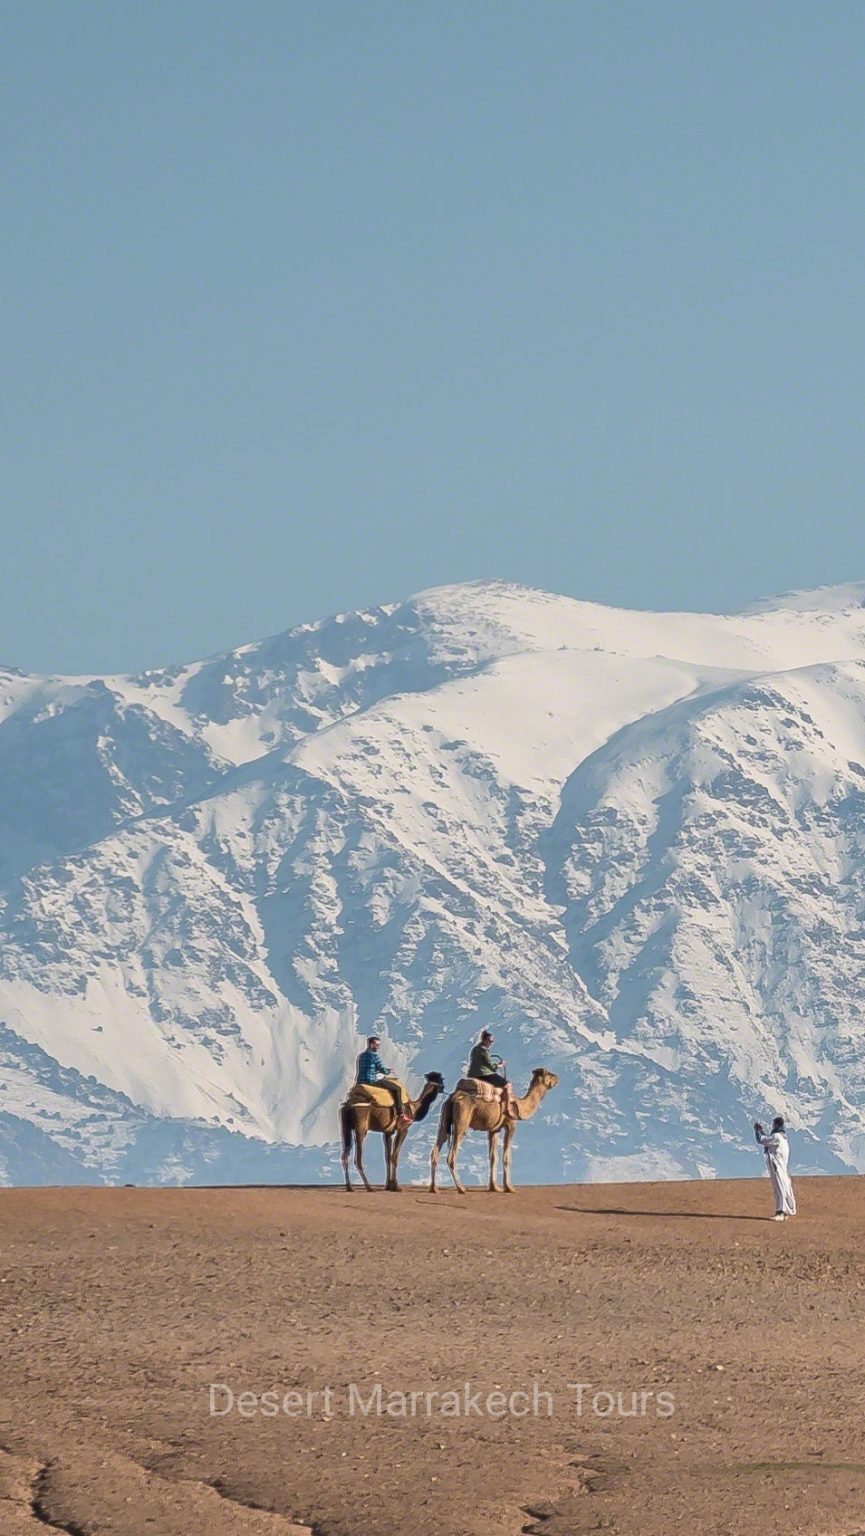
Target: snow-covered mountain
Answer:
[[632, 843]]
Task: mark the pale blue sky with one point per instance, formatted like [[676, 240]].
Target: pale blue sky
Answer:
[[311, 305]]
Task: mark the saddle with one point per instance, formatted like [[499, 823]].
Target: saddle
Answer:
[[372, 1093], [489, 1093]]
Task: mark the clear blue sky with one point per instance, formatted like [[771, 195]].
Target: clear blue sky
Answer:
[[311, 305]]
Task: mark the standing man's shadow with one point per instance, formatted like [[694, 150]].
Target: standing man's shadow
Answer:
[[618, 1210]]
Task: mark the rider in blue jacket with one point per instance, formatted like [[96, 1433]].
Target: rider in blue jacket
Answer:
[[371, 1069]]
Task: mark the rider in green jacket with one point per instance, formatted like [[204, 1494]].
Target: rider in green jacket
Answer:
[[483, 1064]]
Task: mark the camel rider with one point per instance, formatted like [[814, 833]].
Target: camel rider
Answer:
[[483, 1064], [371, 1069]]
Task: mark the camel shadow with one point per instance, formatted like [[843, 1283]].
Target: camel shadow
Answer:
[[338, 1189], [618, 1210]]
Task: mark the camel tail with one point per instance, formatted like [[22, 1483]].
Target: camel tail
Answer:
[[447, 1120], [345, 1127]]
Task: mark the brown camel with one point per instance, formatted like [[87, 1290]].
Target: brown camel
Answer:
[[358, 1120], [463, 1112]]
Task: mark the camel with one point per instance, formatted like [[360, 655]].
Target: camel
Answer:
[[357, 1120], [463, 1112]]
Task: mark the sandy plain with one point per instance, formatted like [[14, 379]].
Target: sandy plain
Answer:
[[494, 1363]]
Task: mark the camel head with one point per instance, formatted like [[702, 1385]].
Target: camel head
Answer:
[[435, 1080], [543, 1078]]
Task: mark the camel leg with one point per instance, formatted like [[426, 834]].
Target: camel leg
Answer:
[[456, 1139], [399, 1136], [360, 1138], [494, 1148], [510, 1133], [389, 1159], [441, 1138], [346, 1133], [434, 1162]]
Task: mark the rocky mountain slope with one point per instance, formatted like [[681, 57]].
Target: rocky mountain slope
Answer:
[[632, 843]]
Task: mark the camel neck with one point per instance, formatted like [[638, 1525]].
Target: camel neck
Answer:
[[530, 1101], [426, 1096]]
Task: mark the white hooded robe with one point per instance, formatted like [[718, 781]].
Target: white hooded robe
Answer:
[[777, 1150]]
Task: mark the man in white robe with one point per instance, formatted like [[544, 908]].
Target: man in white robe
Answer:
[[777, 1150]]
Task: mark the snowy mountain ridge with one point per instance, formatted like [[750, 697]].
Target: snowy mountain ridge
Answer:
[[630, 842]]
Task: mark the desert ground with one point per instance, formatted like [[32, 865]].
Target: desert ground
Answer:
[[123, 1308]]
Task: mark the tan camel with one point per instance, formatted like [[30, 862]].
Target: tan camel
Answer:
[[357, 1120], [463, 1112]]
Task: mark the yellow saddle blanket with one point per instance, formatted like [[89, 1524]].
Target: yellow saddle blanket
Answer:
[[374, 1093]]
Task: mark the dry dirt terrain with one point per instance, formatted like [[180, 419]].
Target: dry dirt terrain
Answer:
[[122, 1307]]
